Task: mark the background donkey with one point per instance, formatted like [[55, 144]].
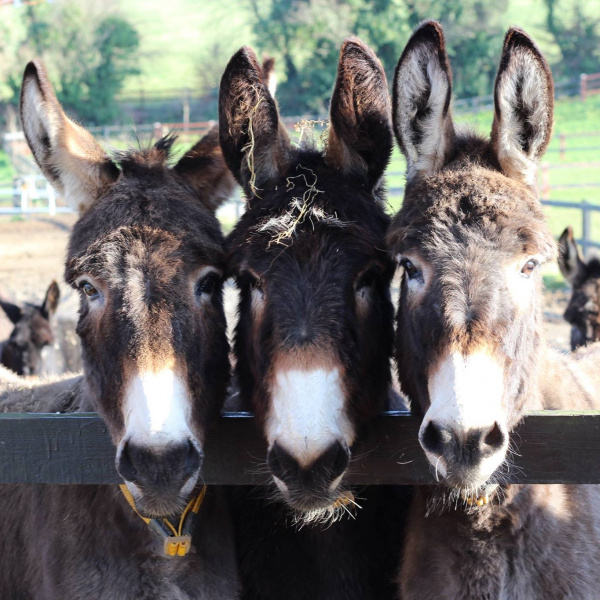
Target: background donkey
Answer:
[[314, 334], [470, 238], [583, 311], [22, 351], [147, 256]]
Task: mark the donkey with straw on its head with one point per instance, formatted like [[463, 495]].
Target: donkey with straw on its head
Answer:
[[147, 257], [470, 238], [314, 335]]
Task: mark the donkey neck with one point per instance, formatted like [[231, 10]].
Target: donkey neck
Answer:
[[569, 381]]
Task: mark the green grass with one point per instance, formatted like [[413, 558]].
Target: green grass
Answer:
[[6, 170]]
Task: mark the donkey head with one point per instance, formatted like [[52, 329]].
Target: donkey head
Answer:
[[22, 352], [470, 238], [147, 256], [313, 337], [583, 311]]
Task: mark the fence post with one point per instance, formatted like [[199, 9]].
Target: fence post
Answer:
[[563, 145], [51, 199], [583, 86], [586, 223], [23, 197]]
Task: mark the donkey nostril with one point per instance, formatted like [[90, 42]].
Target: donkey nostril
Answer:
[[281, 463], [433, 439], [495, 437], [193, 461], [335, 460], [125, 466]]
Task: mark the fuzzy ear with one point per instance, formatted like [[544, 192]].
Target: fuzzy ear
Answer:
[[13, 312], [203, 168], [255, 145], [421, 101], [570, 263], [269, 76], [360, 132], [67, 154], [50, 303], [523, 107]]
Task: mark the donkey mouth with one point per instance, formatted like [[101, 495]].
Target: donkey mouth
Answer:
[[323, 510], [159, 503]]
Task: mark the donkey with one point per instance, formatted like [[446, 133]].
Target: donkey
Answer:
[[583, 311], [22, 351], [314, 337], [470, 238], [147, 256]]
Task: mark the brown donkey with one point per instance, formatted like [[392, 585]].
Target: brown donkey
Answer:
[[314, 336], [470, 239], [583, 311], [147, 256], [22, 351], [308, 254]]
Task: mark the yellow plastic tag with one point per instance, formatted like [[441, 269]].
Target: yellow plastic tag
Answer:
[[178, 546]]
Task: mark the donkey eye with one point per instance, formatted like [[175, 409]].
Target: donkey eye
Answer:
[[529, 267], [88, 289], [207, 284], [409, 268], [256, 283], [365, 279]]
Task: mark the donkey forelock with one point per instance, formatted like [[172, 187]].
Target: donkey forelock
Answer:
[[470, 236], [147, 256]]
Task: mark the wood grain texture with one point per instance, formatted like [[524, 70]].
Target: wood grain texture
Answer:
[[552, 446]]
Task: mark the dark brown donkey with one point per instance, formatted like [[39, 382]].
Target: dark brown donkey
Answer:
[[314, 335], [22, 351], [583, 311], [470, 239], [147, 256]]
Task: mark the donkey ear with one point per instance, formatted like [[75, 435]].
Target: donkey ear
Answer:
[[269, 76], [50, 303], [13, 312], [523, 107], [360, 134], [254, 144], [203, 168], [570, 263], [67, 154], [421, 101]]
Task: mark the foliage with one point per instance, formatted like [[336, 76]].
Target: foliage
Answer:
[[577, 36], [89, 53]]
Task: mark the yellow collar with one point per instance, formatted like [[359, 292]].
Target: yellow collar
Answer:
[[176, 541]]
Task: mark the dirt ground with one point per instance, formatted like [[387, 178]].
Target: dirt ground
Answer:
[[32, 253]]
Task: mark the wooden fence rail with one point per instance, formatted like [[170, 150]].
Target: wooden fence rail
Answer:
[[550, 447]]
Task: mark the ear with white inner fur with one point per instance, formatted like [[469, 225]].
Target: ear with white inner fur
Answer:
[[360, 135], [67, 154], [269, 75], [523, 107], [570, 262], [51, 300], [421, 101]]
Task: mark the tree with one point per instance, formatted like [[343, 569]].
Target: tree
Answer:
[[88, 50], [577, 36]]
